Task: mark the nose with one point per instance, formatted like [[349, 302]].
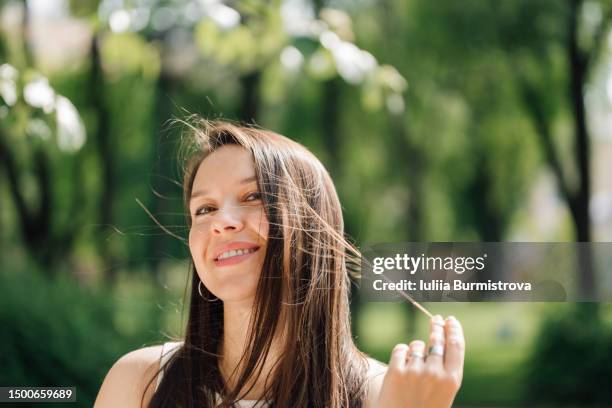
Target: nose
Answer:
[[227, 220]]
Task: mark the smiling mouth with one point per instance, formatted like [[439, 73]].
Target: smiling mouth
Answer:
[[234, 256]]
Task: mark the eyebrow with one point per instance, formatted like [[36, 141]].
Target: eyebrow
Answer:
[[199, 193]]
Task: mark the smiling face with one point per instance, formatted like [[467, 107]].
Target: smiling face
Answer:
[[229, 227]]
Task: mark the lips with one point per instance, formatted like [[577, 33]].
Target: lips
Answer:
[[232, 260], [232, 248]]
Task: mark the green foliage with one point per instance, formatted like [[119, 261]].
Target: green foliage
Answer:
[[245, 47], [572, 359], [129, 54], [30, 107], [55, 333]]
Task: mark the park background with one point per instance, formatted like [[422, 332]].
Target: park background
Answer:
[[470, 120]]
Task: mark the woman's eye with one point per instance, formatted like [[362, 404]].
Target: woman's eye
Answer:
[[204, 210], [253, 196]]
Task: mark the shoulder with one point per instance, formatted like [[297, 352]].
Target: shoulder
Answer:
[[128, 378], [376, 375]]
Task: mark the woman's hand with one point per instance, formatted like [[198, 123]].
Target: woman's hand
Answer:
[[420, 379]]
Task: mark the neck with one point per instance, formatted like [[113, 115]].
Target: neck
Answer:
[[236, 316]]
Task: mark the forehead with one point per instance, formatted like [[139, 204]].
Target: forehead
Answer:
[[225, 166]]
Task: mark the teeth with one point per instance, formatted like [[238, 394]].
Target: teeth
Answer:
[[235, 252]]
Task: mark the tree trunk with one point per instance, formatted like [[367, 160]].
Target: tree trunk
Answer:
[[107, 160], [249, 107], [579, 203], [414, 226], [330, 124], [158, 243]]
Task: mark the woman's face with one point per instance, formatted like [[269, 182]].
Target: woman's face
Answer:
[[229, 227]]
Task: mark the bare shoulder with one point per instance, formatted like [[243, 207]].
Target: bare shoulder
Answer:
[[376, 375], [127, 379]]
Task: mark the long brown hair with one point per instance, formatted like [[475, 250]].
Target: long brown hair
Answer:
[[304, 279]]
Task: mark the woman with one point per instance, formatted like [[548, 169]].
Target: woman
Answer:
[[269, 321]]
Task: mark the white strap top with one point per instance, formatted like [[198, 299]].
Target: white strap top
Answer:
[[171, 347]]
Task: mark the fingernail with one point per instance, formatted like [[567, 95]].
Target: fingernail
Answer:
[[451, 318], [438, 319]]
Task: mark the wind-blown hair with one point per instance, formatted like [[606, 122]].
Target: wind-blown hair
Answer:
[[302, 294]]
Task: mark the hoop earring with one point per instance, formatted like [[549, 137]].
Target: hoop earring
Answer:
[[202, 296]]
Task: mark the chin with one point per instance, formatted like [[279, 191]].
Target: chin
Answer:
[[232, 283], [233, 288], [235, 294]]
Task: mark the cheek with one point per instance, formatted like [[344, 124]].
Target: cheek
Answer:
[[261, 225], [197, 247], [197, 241]]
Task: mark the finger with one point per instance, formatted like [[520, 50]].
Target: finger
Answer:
[[416, 355], [455, 346], [435, 351], [397, 361]]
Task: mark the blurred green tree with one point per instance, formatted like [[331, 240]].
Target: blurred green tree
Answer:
[[39, 129]]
